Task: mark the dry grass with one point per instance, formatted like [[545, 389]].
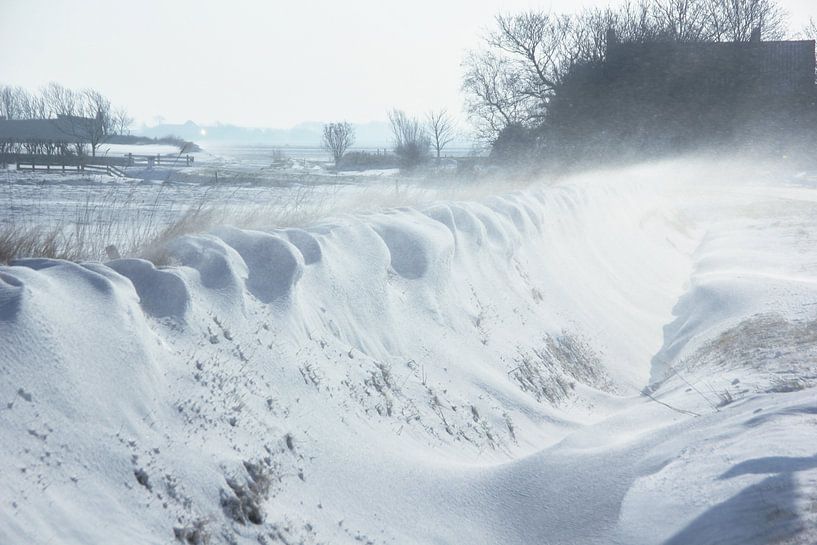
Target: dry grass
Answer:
[[140, 220], [16, 241], [119, 216]]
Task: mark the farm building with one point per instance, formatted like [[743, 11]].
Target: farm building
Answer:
[[664, 96], [776, 71], [62, 135]]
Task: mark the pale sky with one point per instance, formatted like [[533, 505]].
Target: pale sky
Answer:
[[259, 63]]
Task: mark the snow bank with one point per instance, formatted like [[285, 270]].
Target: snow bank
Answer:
[[549, 365], [274, 265], [162, 293]]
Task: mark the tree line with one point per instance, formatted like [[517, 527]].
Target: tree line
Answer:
[[414, 140]]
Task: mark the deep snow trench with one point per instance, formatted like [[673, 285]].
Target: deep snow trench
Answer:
[[622, 357]]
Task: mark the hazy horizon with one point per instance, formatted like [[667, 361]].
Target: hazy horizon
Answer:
[[270, 65]]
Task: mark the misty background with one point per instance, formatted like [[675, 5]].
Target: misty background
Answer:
[[280, 65]]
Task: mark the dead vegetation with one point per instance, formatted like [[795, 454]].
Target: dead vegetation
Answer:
[[550, 372], [124, 221], [18, 241], [136, 220], [195, 533], [245, 494], [774, 353], [767, 343]]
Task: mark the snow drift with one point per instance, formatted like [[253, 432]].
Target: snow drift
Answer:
[[621, 357]]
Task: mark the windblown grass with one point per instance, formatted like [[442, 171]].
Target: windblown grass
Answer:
[[137, 222], [139, 219]]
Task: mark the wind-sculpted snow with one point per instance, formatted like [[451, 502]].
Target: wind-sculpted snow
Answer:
[[162, 293], [11, 295], [608, 359], [307, 244], [218, 264], [274, 265], [417, 247]]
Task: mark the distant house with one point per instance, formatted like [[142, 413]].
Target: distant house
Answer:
[[46, 135], [715, 71], [674, 95]]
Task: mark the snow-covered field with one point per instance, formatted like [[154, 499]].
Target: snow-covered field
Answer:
[[621, 357], [113, 150], [121, 211]]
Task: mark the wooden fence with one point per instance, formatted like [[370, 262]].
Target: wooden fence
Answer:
[[109, 164], [168, 159], [33, 166]]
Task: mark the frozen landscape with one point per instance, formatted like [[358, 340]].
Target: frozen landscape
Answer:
[[622, 356], [474, 272]]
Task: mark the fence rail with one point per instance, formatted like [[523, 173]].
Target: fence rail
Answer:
[[110, 170], [168, 159], [110, 164], [33, 166]]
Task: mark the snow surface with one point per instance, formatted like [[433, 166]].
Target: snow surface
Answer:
[[623, 357], [137, 149]]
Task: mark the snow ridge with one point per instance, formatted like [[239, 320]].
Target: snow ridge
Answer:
[[462, 365]]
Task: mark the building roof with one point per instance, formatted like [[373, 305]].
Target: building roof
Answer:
[[773, 67], [62, 129]]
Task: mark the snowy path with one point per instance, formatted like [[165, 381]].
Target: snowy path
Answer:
[[463, 373]]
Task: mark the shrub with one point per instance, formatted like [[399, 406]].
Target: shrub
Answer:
[[362, 160], [411, 144], [244, 500], [194, 534], [412, 154]]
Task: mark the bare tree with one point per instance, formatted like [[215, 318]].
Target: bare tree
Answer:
[[525, 59], [98, 123], [122, 122], [810, 30], [493, 94], [537, 46], [10, 102], [337, 138], [8, 110], [635, 22], [589, 31], [735, 20], [411, 144], [682, 20], [30, 105], [61, 101], [441, 129], [528, 40]]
